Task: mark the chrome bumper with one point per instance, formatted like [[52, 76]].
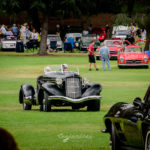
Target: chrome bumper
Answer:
[[132, 64], [79, 100]]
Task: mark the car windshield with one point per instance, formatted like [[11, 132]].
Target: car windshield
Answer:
[[89, 37], [113, 43], [121, 32], [62, 69], [74, 35], [132, 49], [54, 38]]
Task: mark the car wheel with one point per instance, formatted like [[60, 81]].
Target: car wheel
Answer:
[[114, 142], [146, 67], [147, 140], [26, 106], [93, 105], [75, 108], [41, 107], [120, 67], [46, 103]]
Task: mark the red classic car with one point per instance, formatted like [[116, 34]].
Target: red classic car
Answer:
[[100, 32], [133, 55], [114, 47]]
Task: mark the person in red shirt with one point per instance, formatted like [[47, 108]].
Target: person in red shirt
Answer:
[[92, 55]]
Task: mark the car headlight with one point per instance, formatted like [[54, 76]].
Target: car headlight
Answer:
[[59, 81], [145, 59], [86, 81], [121, 59]]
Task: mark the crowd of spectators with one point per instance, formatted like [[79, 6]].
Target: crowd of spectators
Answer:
[[135, 33], [25, 33]]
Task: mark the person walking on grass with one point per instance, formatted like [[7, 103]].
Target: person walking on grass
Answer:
[[105, 56], [91, 55]]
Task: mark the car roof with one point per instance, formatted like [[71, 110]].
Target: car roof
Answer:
[[73, 35], [53, 35]]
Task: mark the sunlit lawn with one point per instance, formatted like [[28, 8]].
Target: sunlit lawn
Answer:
[[63, 129]]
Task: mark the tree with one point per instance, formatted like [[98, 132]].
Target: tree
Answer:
[[66, 7]]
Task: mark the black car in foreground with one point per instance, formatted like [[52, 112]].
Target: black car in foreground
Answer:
[[129, 124], [61, 86]]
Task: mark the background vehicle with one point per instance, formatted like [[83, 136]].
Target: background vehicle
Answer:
[[86, 40], [61, 86], [100, 32], [133, 55], [76, 37], [8, 44], [120, 34], [54, 41], [114, 46], [119, 28], [129, 124]]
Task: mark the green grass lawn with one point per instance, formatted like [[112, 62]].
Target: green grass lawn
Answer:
[[63, 129]]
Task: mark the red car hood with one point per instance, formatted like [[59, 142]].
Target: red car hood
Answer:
[[133, 56], [114, 48]]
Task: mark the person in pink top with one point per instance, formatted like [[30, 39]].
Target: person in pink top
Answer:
[[91, 55]]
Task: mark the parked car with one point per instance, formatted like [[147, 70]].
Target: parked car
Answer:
[[86, 40], [114, 46], [133, 55], [54, 42], [100, 32], [119, 28], [76, 39], [120, 34], [61, 86], [8, 44], [129, 124]]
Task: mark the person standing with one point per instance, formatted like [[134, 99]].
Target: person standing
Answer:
[[23, 31], [28, 33], [91, 55], [90, 29], [143, 35], [105, 55], [131, 29], [3, 29], [107, 30], [15, 30]]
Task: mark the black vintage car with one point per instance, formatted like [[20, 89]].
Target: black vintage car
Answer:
[[129, 124], [61, 86]]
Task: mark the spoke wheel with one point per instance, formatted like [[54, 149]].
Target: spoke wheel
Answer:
[[147, 140], [114, 142], [93, 105], [26, 107], [46, 103]]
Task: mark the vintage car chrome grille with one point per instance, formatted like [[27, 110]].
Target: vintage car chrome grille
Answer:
[[113, 52], [73, 87], [133, 61]]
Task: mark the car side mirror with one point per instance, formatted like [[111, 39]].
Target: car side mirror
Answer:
[[137, 102]]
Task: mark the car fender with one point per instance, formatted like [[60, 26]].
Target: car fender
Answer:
[[26, 91], [52, 89], [94, 89]]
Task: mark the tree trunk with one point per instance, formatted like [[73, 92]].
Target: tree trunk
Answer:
[[44, 32], [147, 39], [33, 14]]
